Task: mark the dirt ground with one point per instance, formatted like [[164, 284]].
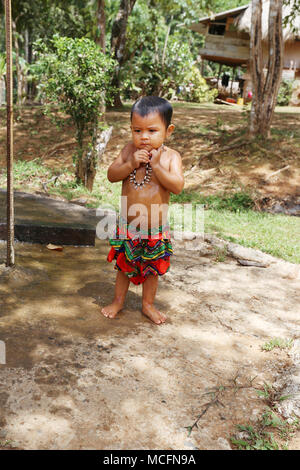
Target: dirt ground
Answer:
[[74, 379], [199, 130]]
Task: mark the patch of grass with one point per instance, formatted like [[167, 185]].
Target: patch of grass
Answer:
[[231, 217], [277, 343], [198, 129], [220, 254], [7, 444], [24, 171], [275, 234], [260, 436], [270, 431], [254, 439], [234, 202], [104, 193], [271, 396], [279, 134]]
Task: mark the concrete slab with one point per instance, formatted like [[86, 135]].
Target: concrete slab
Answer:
[[41, 219]]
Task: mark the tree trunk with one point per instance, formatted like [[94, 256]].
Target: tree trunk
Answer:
[[118, 42], [101, 24], [93, 157], [26, 48], [87, 161], [18, 67], [265, 88], [100, 41], [166, 43]]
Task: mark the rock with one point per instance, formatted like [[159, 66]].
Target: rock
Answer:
[[249, 254], [80, 201], [245, 262], [105, 211], [215, 241], [3, 433], [190, 445], [200, 246], [189, 235], [203, 260], [223, 444], [288, 270], [183, 236], [288, 384], [242, 435]]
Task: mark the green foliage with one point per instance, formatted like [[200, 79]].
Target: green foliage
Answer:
[[254, 439], [160, 55], [152, 75], [235, 202], [74, 75], [148, 66], [277, 343], [2, 65], [27, 171], [198, 90], [285, 93]]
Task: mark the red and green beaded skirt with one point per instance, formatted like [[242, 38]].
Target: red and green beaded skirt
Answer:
[[138, 255]]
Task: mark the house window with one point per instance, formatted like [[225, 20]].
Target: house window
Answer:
[[217, 28]]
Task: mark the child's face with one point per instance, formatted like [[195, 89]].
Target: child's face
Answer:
[[149, 132]]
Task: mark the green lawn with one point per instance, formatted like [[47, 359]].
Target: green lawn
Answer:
[[278, 235]]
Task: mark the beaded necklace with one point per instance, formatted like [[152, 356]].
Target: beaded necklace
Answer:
[[147, 176], [145, 180]]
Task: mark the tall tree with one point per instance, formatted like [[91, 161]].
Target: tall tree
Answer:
[[265, 86], [101, 25], [118, 42]]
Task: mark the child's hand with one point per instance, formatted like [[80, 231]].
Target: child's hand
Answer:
[[139, 157], [155, 155]]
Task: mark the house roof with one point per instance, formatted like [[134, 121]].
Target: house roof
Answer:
[[219, 16], [243, 20], [290, 31]]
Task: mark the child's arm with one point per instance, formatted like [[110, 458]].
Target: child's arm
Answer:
[[124, 164], [173, 179]]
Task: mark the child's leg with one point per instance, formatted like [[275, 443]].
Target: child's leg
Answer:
[[149, 291], [121, 288]]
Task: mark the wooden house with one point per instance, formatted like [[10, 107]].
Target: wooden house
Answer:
[[227, 40]]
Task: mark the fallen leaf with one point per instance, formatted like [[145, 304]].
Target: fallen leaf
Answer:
[[54, 247]]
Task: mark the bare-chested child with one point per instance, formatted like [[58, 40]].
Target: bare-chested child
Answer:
[[150, 171]]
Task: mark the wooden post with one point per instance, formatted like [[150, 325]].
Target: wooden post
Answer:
[[10, 260], [219, 73], [202, 66], [232, 78]]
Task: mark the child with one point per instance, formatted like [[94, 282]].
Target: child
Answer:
[[149, 171]]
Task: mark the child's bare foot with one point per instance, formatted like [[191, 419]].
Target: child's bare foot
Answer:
[[155, 315], [111, 310]]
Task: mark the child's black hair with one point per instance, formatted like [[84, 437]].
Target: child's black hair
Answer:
[[151, 104]]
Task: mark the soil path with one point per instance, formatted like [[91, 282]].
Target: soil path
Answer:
[[74, 379]]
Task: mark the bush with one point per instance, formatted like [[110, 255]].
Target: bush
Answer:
[[285, 93], [75, 76], [196, 88]]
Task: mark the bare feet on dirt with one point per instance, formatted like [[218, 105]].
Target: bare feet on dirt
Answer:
[[155, 315], [111, 310]]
